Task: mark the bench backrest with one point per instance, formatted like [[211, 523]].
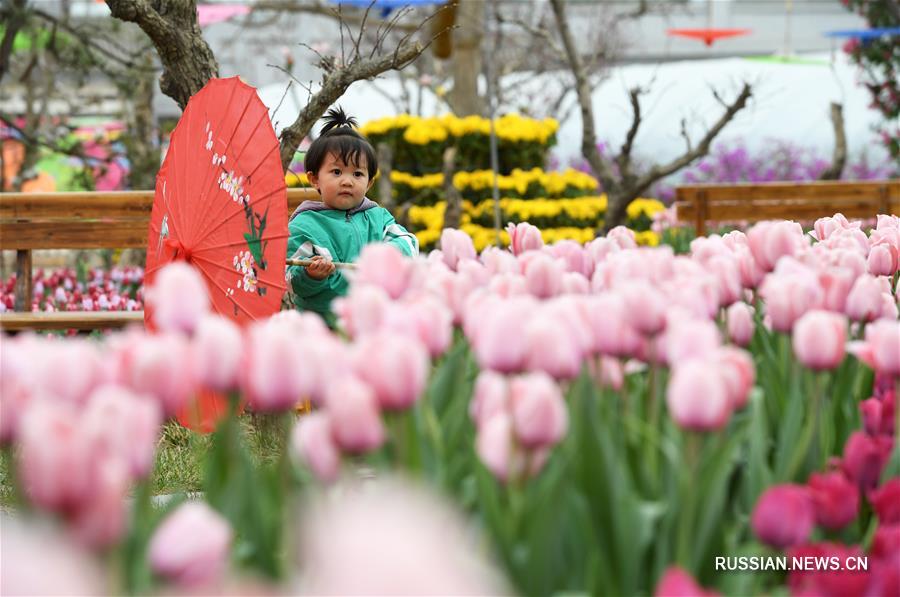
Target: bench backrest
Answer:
[[114, 220], [89, 220], [784, 200]]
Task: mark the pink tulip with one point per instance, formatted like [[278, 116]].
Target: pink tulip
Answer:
[[750, 272], [539, 413], [737, 369], [551, 348], [433, 323], [68, 369], [178, 297], [726, 273], [819, 338], [474, 272], [355, 420], [704, 248], [312, 442], [524, 237], [698, 397], [864, 458], [836, 283], [889, 308], [38, 559], [217, 352], [741, 327], [500, 341], [490, 397], [885, 501], [275, 375], [646, 307], [573, 283], [496, 448], [835, 499], [770, 241], [417, 543], [456, 246], [783, 516], [363, 310], [613, 335], [600, 248], [395, 367], [384, 266], [123, 426], [507, 285], [623, 236], [788, 296], [543, 276], [823, 227], [100, 522], [881, 349], [54, 457], [864, 302], [498, 261], [160, 366], [676, 582], [883, 260], [689, 339], [611, 373], [577, 260], [191, 546]]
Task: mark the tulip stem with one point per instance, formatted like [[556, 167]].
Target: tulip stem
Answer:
[[803, 445], [653, 455], [688, 482]]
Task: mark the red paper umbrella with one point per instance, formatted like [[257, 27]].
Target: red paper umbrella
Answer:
[[708, 36], [221, 203]]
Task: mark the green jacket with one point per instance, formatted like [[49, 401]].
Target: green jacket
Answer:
[[340, 236]]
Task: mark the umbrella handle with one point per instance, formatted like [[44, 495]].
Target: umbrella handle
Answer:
[[308, 262]]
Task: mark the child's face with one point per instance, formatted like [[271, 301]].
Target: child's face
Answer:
[[342, 186]]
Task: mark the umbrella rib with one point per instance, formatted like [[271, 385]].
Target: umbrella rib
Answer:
[[237, 242], [211, 188], [210, 183], [217, 220], [228, 269], [275, 147], [170, 209]]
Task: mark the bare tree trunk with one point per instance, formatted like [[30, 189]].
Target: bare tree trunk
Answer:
[[839, 157], [385, 186], [453, 200], [140, 145], [188, 62], [463, 98]]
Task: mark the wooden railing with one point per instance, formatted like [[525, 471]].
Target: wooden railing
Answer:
[[98, 220], [700, 204]]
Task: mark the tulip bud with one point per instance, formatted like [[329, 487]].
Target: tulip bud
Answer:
[[864, 458], [395, 367], [835, 499], [783, 516], [190, 547], [312, 442], [697, 396], [178, 298], [740, 323], [539, 413], [819, 339], [456, 246], [355, 420], [524, 237], [885, 501], [384, 266]]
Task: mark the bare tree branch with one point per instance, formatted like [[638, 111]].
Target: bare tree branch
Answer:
[[188, 62], [624, 158], [839, 157], [334, 86], [657, 172], [15, 18]]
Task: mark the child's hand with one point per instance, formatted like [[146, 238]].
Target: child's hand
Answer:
[[320, 268]]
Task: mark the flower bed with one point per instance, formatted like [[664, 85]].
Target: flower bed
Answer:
[[118, 289], [603, 418]]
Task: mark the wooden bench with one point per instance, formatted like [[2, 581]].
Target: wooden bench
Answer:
[[806, 201], [89, 220]]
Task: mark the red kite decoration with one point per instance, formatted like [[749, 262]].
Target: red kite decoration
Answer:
[[708, 36]]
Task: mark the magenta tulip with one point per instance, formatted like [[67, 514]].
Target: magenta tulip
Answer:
[[885, 501], [835, 499], [783, 516]]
